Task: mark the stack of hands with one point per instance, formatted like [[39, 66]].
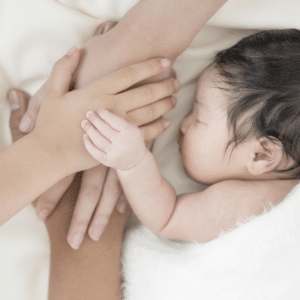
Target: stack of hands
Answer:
[[50, 118]]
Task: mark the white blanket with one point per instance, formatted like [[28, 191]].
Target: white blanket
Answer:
[[259, 260]]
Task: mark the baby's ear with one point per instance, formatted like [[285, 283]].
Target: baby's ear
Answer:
[[265, 157]]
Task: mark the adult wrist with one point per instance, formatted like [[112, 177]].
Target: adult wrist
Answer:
[[54, 158]]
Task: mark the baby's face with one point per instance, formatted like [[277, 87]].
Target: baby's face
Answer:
[[205, 134]]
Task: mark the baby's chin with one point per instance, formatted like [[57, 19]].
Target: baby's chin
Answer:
[[201, 176]]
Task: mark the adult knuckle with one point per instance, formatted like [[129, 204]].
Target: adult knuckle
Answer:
[[115, 104], [129, 72], [151, 112], [147, 93]]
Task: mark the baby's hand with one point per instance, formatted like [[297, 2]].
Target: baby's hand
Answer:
[[113, 141]]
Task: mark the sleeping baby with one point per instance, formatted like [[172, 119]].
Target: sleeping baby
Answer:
[[244, 126]]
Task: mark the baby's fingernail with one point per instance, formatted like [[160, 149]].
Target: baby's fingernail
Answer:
[[13, 100], [77, 239], [96, 233], [25, 123], [90, 115], [84, 123], [43, 214]]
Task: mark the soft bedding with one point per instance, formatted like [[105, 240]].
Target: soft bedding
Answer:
[[258, 260]]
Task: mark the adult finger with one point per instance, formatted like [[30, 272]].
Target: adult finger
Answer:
[[121, 204], [154, 129], [62, 72], [18, 101], [47, 202], [88, 198], [28, 120], [151, 112], [148, 93], [111, 193], [130, 75]]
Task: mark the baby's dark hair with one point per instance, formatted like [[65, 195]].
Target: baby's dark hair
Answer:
[[262, 78]]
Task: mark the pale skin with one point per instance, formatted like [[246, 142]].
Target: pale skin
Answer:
[[72, 276], [131, 41], [149, 29], [193, 217], [52, 141]]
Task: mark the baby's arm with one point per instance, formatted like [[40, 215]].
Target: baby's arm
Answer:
[[194, 217], [119, 144]]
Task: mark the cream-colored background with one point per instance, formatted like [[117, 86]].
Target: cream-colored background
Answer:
[[33, 35]]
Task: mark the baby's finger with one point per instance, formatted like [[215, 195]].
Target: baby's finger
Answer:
[[88, 198], [111, 193], [151, 112], [99, 140], [130, 75], [95, 152], [102, 125], [148, 93], [47, 202], [153, 130], [113, 120]]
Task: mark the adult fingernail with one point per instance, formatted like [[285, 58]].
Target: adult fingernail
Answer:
[[43, 214], [71, 51], [122, 207], [77, 240], [13, 99], [174, 100], [177, 84], [165, 63], [96, 233], [166, 124], [26, 123]]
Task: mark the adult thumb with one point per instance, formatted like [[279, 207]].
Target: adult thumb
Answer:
[[62, 71]]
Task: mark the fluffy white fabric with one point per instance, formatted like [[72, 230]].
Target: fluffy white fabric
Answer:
[[259, 260]]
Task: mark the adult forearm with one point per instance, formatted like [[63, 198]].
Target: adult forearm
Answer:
[[152, 28], [26, 170], [169, 26], [93, 271]]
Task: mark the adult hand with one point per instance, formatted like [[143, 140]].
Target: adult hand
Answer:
[[56, 126], [138, 116], [101, 200]]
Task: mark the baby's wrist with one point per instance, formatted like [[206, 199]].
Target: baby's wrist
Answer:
[[136, 165]]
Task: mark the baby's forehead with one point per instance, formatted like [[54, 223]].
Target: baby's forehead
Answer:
[[209, 90]]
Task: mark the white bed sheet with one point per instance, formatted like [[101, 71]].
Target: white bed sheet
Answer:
[[33, 35]]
